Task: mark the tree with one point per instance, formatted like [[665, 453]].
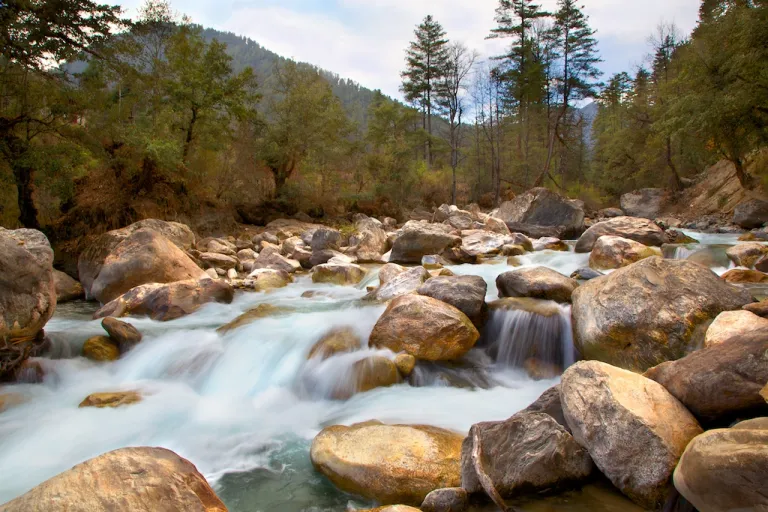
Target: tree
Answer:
[[451, 91], [576, 46], [724, 87], [201, 84], [425, 67], [35, 35], [305, 119]]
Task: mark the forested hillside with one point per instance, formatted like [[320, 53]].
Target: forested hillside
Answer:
[[175, 121]]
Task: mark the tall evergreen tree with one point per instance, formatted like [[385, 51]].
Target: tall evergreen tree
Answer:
[[426, 59]]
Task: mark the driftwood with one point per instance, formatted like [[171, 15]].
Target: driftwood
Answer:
[[482, 476], [14, 351]]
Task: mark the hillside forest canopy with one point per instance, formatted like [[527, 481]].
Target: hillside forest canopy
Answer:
[[105, 120]]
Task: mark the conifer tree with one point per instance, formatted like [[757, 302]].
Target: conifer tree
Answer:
[[426, 60]]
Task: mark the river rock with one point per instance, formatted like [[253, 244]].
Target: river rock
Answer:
[[216, 260], [551, 404], [404, 283], [276, 261], [144, 256], [640, 230], [165, 302], [336, 341], [388, 463], [746, 254], [536, 283], [751, 214], [367, 374], [611, 252], [729, 324], [417, 240], [67, 289], [529, 452], [405, 364], [496, 225], [101, 348], [424, 327], [452, 499], [742, 276], [724, 470], [370, 240], [465, 293], [721, 381], [610, 213], [246, 255], [586, 274], [111, 400], [389, 271], [27, 284], [646, 203], [512, 250], [265, 279], [253, 314], [649, 312], [124, 334], [542, 207], [549, 243], [128, 479], [634, 430], [483, 243], [325, 238], [338, 273], [758, 308], [220, 246]]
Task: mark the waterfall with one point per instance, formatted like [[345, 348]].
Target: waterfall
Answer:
[[527, 333]]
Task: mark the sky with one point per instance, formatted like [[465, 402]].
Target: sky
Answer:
[[365, 40]]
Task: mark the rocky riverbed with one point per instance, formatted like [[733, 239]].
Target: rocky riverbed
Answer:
[[303, 367]]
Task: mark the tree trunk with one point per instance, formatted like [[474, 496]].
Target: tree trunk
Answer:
[[190, 133], [740, 173], [677, 182], [25, 188]]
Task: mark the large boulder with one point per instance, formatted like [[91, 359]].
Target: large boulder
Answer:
[[67, 289], [424, 327], [639, 230], [647, 203], [417, 240], [128, 479], [743, 276], [724, 470], [722, 381], [27, 285], [144, 256], [388, 463], [529, 452], [272, 259], [542, 207], [124, 334], [612, 252], [165, 302], [465, 293], [101, 348], [536, 283], [450, 499], [650, 312], [751, 214], [746, 254], [729, 324], [92, 258], [325, 238], [265, 279], [634, 430], [402, 283], [218, 260]]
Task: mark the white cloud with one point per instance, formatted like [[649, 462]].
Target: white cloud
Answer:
[[365, 40]]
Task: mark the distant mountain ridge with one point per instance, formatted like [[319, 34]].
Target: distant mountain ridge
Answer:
[[246, 52]]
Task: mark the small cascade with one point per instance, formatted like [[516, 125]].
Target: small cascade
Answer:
[[678, 251], [531, 334], [472, 372]]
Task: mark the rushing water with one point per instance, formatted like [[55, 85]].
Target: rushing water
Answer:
[[245, 405]]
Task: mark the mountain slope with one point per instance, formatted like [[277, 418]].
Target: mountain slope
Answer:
[[246, 52]]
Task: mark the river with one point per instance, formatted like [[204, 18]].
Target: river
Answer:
[[244, 406]]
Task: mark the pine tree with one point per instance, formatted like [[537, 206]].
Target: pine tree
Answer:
[[577, 48], [425, 67]]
